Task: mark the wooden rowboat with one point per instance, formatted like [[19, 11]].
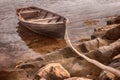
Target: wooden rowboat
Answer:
[[42, 21]]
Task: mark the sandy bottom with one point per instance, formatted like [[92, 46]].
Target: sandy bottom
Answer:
[[39, 43]]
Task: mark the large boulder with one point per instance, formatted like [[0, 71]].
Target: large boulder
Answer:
[[53, 71]]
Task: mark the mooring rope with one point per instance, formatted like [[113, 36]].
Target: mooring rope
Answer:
[[96, 63]]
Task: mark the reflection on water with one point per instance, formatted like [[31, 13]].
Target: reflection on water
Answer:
[[39, 43]]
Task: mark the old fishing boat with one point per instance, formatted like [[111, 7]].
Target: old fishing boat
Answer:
[[42, 21]]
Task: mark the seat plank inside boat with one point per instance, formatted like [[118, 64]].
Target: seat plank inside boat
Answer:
[[46, 19], [28, 11], [39, 15]]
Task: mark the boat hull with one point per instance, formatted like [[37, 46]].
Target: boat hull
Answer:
[[49, 30], [42, 21]]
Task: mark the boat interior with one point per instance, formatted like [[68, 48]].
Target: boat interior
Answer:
[[39, 15]]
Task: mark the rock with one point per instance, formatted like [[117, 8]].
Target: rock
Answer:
[[43, 79], [110, 32], [113, 34], [106, 53], [77, 78], [115, 20], [104, 75], [117, 57], [53, 71], [14, 74], [92, 44]]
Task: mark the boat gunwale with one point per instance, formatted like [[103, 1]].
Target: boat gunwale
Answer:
[[66, 20]]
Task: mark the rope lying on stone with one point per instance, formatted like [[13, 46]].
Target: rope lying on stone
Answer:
[[96, 63]]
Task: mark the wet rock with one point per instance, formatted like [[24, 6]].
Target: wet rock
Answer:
[[113, 34], [92, 44], [53, 71], [108, 32], [114, 21], [109, 76], [106, 53], [77, 78]]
